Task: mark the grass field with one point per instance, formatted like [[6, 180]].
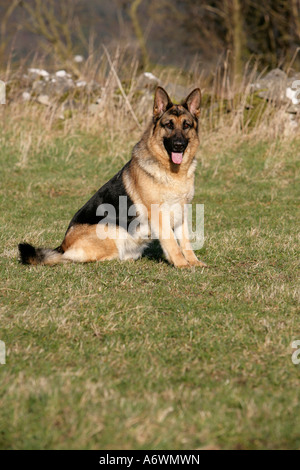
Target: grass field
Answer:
[[141, 355]]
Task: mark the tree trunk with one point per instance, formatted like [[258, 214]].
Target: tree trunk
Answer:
[[138, 31], [237, 38]]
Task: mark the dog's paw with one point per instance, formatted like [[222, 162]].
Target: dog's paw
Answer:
[[198, 263], [182, 265]]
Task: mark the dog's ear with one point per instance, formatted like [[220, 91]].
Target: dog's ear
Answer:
[[193, 102], [162, 102]]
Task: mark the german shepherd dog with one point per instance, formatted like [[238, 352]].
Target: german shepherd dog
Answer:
[[160, 172]]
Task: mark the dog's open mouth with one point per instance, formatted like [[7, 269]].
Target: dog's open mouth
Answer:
[[175, 150], [177, 157]]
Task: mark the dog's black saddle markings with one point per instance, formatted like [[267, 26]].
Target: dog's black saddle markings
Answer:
[[108, 194]]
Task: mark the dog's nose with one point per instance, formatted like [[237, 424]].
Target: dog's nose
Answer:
[[178, 146]]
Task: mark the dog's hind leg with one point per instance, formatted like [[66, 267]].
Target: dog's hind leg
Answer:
[[82, 244]]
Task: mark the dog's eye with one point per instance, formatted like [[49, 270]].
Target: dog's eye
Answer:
[[186, 125], [169, 125]]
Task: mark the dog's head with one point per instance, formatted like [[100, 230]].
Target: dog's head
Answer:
[[176, 126]]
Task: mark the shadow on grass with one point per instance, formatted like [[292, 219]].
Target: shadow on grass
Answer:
[[155, 252]]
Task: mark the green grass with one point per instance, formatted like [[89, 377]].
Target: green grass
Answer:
[[141, 355]]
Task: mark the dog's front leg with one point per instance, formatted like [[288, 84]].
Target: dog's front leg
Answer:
[[182, 234], [161, 229]]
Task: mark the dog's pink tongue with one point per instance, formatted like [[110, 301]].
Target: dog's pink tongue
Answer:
[[177, 158]]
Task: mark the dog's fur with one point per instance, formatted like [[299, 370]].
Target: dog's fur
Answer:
[[161, 171]]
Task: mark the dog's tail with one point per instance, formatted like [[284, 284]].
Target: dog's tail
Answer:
[[31, 255]]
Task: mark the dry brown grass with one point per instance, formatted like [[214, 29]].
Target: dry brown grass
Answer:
[[231, 111]]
